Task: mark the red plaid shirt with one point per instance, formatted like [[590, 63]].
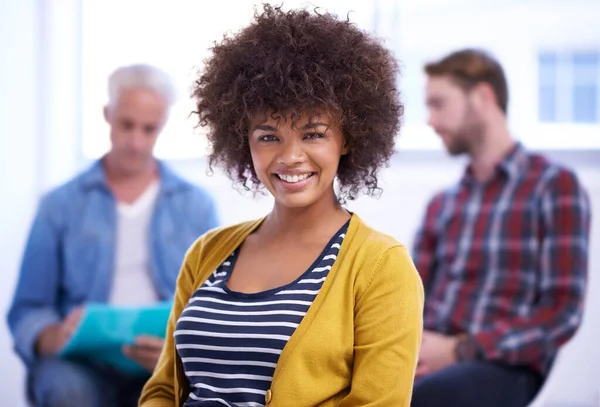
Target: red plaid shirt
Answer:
[[505, 261]]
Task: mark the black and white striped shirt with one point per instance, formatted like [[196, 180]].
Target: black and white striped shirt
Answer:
[[230, 342]]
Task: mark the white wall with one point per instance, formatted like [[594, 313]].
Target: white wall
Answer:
[[38, 137], [18, 163]]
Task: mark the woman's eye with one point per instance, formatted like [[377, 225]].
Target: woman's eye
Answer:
[[312, 136], [267, 137]]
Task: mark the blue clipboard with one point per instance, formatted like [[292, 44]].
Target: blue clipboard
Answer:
[[104, 329]]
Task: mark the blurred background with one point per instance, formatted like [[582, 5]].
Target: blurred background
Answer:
[[56, 55]]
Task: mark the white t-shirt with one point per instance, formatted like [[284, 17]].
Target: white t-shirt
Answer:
[[132, 283]]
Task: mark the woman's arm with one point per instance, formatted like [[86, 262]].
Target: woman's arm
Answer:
[[159, 391], [388, 325]]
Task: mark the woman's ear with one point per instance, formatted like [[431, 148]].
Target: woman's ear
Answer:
[[344, 146]]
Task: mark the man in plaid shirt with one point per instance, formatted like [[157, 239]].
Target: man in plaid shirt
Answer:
[[503, 254]]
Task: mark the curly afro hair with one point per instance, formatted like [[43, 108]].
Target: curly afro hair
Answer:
[[301, 61]]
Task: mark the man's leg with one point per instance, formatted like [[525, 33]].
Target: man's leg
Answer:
[[477, 384], [60, 383], [131, 390]]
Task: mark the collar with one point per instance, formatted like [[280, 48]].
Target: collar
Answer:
[[95, 177], [512, 165]]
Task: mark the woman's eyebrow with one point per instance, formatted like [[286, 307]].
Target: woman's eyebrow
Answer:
[[314, 125], [264, 127]]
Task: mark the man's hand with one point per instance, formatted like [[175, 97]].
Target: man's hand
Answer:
[[437, 353], [145, 351], [52, 339]]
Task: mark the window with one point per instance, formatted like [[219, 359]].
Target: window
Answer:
[[586, 81], [547, 87], [569, 87], [551, 94]]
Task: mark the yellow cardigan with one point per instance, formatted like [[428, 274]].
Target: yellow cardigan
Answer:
[[356, 346]]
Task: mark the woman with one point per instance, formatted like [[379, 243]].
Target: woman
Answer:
[[307, 306]]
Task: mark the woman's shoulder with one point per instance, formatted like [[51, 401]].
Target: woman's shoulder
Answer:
[[364, 238], [218, 242], [377, 255]]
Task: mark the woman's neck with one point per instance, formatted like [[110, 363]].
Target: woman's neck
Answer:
[[323, 217]]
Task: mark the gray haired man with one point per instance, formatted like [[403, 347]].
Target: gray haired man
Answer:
[[114, 234]]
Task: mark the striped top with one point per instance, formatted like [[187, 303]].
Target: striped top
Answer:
[[229, 342]]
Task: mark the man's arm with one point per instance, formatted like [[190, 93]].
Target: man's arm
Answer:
[[205, 211], [159, 390], [211, 219], [33, 309], [563, 274], [426, 241]]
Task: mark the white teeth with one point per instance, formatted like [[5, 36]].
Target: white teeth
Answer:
[[293, 178]]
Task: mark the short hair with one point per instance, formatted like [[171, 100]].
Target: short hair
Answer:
[[299, 61], [469, 67], [140, 76]]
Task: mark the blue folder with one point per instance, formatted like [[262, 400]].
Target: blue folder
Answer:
[[104, 329]]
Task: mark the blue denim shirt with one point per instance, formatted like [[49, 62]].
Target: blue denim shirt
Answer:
[[69, 258]]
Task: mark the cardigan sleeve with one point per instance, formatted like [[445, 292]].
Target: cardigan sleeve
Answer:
[[388, 326], [160, 390]]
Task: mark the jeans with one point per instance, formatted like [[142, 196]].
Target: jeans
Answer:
[[477, 384], [60, 383]]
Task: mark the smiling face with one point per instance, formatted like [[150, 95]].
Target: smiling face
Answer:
[[297, 160]]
